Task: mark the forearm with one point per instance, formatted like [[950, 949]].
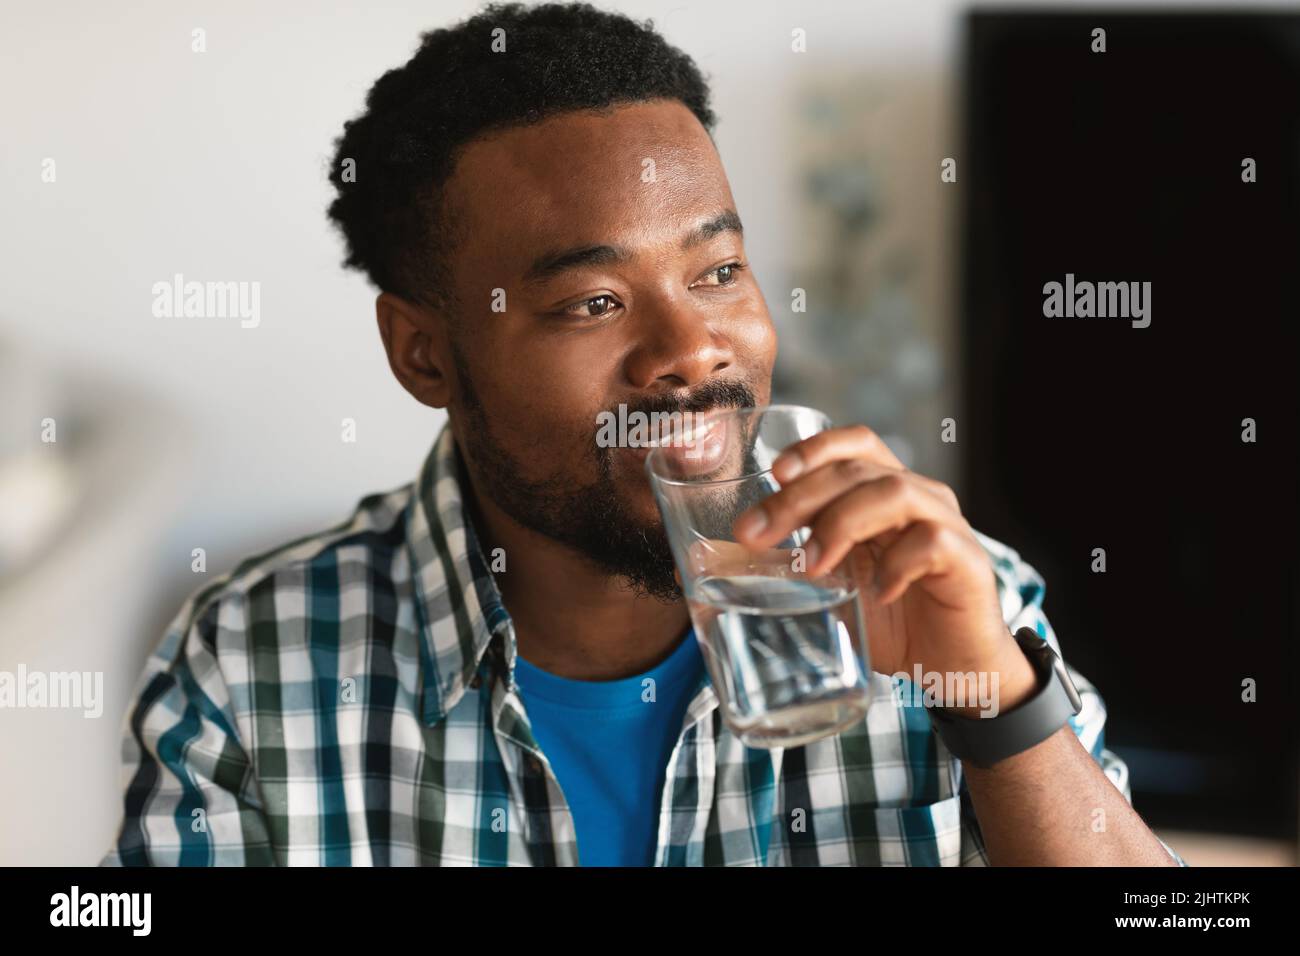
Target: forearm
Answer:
[[1052, 805]]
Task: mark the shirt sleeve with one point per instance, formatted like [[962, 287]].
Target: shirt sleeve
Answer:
[[1021, 588], [190, 793]]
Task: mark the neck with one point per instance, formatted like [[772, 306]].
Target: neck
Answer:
[[570, 618]]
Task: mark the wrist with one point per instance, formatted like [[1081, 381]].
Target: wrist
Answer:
[[1028, 710], [1012, 680]]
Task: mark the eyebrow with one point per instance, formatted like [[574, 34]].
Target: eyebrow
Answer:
[[551, 264]]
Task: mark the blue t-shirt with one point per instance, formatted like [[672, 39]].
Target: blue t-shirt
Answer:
[[609, 743]]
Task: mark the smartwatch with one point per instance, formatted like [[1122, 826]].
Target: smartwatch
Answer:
[[983, 741]]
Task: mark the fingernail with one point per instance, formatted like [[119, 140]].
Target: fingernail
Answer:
[[811, 552], [788, 466]]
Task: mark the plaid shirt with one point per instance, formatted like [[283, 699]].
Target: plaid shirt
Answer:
[[349, 699]]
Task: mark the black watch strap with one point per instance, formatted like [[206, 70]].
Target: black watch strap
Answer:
[[983, 741]]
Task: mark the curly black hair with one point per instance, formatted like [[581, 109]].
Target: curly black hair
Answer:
[[557, 58]]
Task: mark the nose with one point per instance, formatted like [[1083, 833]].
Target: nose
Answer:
[[677, 347]]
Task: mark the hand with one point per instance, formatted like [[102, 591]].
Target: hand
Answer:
[[928, 589]]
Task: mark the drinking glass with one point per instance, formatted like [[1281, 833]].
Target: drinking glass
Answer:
[[786, 651]]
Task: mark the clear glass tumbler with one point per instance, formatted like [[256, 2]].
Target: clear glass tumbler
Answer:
[[786, 651]]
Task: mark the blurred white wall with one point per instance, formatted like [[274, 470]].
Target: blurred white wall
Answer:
[[212, 165]]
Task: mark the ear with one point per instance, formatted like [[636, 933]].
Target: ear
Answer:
[[415, 339]]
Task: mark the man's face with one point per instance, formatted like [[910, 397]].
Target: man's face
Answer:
[[591, 225]]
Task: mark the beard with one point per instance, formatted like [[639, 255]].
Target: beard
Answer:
[[592, 519]]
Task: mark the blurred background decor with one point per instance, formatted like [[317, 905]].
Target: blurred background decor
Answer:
[[876, 344], [83, 586]]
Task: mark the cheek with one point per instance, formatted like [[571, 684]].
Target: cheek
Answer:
[[564, 388], [755, 340], [767, 345], [544, 413], [539, 391]]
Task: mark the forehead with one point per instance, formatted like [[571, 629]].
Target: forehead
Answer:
[[584, 176]]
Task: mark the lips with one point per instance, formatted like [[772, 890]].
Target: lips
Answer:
[[687, 451]]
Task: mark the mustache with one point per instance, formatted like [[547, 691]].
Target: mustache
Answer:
[[706, 398], [710, 395]]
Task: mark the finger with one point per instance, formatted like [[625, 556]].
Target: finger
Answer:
[[925, 549], [794, 505], [855, 441], [798, 503], [878, 507]]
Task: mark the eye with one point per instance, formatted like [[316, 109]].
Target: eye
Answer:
[[596, 307], [726, 274]]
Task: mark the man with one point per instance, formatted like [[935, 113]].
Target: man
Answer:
[[455, 675]]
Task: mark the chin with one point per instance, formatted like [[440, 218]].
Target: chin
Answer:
[[641, 505]]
